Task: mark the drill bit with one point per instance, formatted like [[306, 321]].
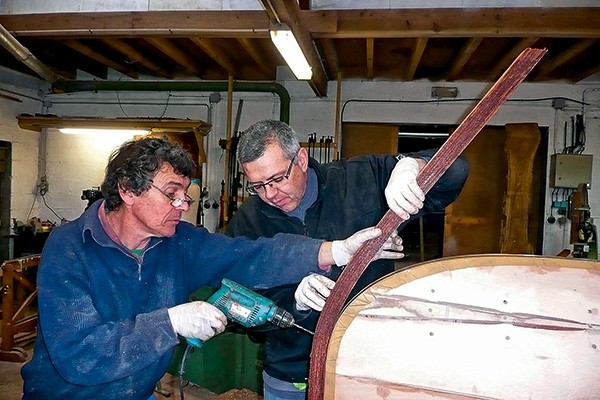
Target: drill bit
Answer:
[[303, 329]]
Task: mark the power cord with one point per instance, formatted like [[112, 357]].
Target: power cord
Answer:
[[62, 220], [188, 348]]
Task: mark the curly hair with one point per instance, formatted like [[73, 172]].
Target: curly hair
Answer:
[[254, 141], [132, 166]]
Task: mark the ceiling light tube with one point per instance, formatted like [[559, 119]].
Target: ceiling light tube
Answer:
[[92, 131], [288, 47]]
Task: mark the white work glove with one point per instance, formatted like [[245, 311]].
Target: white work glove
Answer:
[[403, 194], [197, 319], [312, 292], [343, 250]]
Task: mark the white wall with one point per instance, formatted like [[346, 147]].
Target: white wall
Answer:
[[75, 163], [21, 95]]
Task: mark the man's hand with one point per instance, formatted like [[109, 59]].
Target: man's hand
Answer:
[[391, 249], [343, 250], [403, 194], [197, 319], [312, 292]]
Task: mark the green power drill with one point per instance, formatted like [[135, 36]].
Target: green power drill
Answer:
[[248, 309]]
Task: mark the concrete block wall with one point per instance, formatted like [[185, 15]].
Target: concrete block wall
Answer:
[[22, 95]]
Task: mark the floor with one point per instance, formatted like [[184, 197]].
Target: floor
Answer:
[[11, 386]]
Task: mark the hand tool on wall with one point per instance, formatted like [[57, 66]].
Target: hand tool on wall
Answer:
[[221, 206], [427, 177], [312, 142], [321, 141], [328, 141]]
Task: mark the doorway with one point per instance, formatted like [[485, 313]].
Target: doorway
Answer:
[[452, 231], [5, 199]]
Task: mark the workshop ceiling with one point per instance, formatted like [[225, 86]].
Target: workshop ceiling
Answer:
[[393, 44]]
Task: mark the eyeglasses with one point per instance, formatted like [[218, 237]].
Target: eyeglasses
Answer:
[[276, 182], [175, 202]]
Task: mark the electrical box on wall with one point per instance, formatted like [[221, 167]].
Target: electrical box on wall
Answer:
[[569, 170]]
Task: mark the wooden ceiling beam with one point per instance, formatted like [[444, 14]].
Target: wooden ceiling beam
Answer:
[[415, 57], [175, 53], [212, 49], [331, 56], [587, 72], [454, 22], [565, 22], [99, 57], [565, 56], [289, 13], [140, 23], [509, 56], [257, 54], [463, 56], [135, 56], [370, 57]]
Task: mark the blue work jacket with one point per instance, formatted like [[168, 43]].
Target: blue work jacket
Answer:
[[103, 327]]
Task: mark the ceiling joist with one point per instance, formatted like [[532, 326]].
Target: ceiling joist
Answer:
[[474, 44]]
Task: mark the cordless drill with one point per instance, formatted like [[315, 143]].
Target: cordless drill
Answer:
[[247, 308]]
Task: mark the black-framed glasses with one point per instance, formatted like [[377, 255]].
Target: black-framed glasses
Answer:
[[174, 201], [275, 183]]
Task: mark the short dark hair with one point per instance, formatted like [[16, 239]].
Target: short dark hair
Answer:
[[134, 164], [254, 140]]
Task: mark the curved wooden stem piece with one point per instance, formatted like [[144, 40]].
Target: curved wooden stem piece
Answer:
[[428, 176]]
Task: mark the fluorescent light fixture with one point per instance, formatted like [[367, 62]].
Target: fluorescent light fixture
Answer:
[[92, 131], [286, 43]]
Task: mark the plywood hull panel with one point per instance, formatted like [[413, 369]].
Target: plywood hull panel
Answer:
[[497, 327]]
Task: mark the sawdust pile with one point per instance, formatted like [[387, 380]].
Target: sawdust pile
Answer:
[[239, 394]]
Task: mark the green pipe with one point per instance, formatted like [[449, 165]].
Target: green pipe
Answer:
[[182, 86]]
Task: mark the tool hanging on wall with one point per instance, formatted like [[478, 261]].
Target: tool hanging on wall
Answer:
[[203, 195], [583, 231], [312, 141], [325, 150], [221, 222], [321, 141], [328, 142], [233, 174]]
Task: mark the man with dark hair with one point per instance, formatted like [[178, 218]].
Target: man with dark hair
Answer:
[[113, 285], [293, 193]]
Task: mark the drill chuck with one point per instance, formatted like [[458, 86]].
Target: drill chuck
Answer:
[[282, 318]]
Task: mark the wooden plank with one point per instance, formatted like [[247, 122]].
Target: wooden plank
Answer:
[[522, 141], [427, 177], [580, 22]]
